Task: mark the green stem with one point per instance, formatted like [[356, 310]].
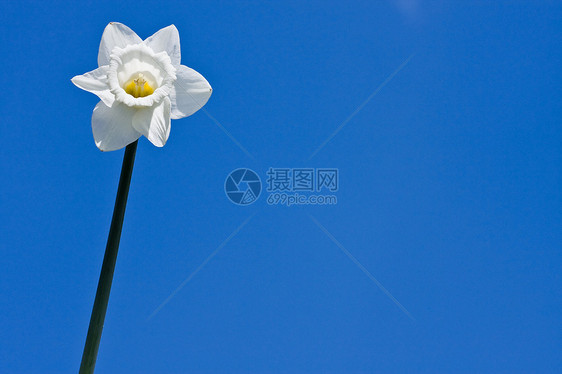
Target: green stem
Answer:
[[106, 276]]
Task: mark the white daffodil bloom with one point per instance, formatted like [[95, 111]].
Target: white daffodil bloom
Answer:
[[142, 86]]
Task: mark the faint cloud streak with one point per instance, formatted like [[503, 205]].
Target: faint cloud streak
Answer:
[[409, 8]]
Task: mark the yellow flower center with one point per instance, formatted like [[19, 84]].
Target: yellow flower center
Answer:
[[138, 87]]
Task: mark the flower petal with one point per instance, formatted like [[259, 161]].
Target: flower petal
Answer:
[[113, 127], [154, 123], [115, 35], [95, 81], [166, 40], [189, 93]]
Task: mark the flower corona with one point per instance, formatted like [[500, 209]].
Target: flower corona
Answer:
[[138, 87]]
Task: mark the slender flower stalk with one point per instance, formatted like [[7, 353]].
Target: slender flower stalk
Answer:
[[106, 276], [142, 86]]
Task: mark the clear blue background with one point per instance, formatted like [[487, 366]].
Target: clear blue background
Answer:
[[450, 191]]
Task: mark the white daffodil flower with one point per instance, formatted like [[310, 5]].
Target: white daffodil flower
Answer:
[[142, 86]]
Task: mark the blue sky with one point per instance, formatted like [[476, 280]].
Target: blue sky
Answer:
[[449, 191]]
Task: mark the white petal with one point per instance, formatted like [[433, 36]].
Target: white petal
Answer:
[[154, 123], [115, 35], [166, 40], [113, 127], [95, 81], [189, 93]]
